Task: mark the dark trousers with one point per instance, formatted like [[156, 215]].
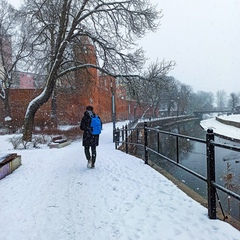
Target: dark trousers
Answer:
[[93, 151]]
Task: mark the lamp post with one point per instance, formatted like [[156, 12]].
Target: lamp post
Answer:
[[129, 112], [177, 106], [170, 105], [113, 111]]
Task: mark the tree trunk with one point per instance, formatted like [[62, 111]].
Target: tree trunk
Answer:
[[29, 119], [54, 109], [7, 108], [28, 127], [33, 106]]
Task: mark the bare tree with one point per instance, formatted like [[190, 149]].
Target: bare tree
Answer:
[[12, 45], [221, 96], [201, 101], [150, 88], [60, 27], [234, 100], [182, 98], [171, 94]]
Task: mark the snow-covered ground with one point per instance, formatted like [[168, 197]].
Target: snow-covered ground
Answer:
[[223, 129], [53, 196]]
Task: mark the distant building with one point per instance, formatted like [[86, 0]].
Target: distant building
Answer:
[[20, 80], [25, 80]]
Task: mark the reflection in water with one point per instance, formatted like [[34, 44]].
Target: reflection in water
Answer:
[[192, 155]]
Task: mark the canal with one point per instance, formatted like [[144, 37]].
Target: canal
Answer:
[[192, 155]]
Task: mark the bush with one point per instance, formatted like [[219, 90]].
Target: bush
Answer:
[[37, 140], [44, 136], [16, 141]]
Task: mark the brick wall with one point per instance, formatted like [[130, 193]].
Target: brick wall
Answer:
[[70, 106]]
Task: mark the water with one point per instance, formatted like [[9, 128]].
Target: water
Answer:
[[192, 155]]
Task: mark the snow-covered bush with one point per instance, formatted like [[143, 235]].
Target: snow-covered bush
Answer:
[[16, 141], [38, 141]]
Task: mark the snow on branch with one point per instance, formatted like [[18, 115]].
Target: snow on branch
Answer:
[[2, 93]]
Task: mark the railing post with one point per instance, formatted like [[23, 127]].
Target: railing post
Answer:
[[117, 138], [137, 135], [211, 174], [145, 143], [131, 140], [177, 147], [126, 142], [123, 134]]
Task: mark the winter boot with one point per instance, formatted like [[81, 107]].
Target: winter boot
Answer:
[[89, 164], [93, 161]]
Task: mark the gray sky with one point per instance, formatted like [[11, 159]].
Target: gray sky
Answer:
[[203, 37]]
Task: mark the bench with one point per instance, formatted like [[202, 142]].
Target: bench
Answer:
[[8, 163], [59, 142]]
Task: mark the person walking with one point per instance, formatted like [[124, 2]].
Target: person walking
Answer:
[[91, 133]]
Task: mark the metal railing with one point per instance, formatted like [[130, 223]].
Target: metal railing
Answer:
[[124, 136]]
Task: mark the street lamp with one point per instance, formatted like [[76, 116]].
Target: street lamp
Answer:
[[113, 111]]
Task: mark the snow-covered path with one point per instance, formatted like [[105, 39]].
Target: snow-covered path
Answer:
[[53, 196]]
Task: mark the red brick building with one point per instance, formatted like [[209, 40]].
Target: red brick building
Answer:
[[88, 87]]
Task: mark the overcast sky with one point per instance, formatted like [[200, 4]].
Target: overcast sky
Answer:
[[203, 37]]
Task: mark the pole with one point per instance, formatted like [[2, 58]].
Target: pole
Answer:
[[126, 138], [113, 111], [177, 106], [145, 143], [211, 175], [129, 112]]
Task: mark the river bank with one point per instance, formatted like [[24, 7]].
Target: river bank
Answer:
[[223, 128], [194, 155]]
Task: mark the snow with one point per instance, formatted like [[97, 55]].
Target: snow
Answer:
[[233, 117], [8, 118], [223, 129], [65, 127], [54, 196]]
